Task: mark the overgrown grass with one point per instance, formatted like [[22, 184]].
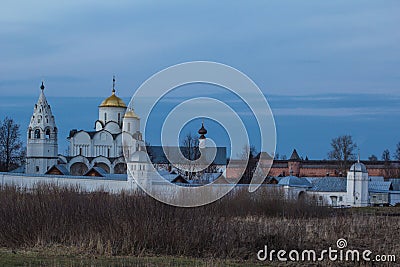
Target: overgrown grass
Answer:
[[65, 256], [235, 227]]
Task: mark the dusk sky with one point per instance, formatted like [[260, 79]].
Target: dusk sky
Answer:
[[326, 67]]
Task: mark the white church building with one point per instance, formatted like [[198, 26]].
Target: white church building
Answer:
[[95, 159], [87, 149]]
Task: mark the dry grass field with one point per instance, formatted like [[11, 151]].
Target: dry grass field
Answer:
[[63, 226]]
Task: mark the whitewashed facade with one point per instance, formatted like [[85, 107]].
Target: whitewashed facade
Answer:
[[103, 147], [42, 146]]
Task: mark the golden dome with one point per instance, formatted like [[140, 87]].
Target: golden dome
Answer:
[[131, 114], [113, 101]]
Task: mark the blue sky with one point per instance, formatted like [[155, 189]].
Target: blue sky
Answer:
[[326, 67]]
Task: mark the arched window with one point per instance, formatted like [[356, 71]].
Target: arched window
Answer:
[[119, 118], [105, 117], [30, 134], [48, 134], [37, 134]]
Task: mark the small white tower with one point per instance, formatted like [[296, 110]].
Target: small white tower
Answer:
[[140, 168], [132, 137], [357, 185], [42, 147], [131, 122]]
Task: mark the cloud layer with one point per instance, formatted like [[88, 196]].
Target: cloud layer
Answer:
[[287, 47]]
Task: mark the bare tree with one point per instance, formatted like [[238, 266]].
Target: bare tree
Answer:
[[387, 164], [190, 150], [373, 158], [343, 151], [190, 147], [249, 154], [386, 155], [397, 157], [150, 152], [397, 153], [11, 152]]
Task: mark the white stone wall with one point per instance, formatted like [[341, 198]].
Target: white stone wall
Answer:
[[39, 165], [328, 198], [85, 184]]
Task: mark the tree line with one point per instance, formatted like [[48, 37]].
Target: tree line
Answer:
[[343, 149], [12, 153]]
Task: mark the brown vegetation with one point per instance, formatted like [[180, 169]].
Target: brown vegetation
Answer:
[[236, 226]]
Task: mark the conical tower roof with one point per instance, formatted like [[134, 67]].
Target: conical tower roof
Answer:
[[42, 116], [295, 156]]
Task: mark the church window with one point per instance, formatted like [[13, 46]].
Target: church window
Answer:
[[340, 198], [48, 134], [108, 152], [47, 120], [80, 151], [105, 117], [129, 126], [37, 168], [37, 133], [30, 134], [119, 118]]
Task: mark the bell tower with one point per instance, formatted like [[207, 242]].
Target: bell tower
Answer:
[[42, 147]]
